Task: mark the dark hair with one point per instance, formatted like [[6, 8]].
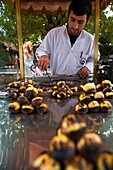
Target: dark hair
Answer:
[[80, 7]]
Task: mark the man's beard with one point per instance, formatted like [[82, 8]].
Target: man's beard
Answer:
[[72, 31]]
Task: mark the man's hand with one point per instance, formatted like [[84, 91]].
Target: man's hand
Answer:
[[83, 72], [43, 62]]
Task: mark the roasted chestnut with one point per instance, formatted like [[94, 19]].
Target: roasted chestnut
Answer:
[[106, 83], [99, 96], [22, 100], [99, 87], [22, 89], [45, 161], [89, 88], [14, 107], [37, 101], [109, 95], [72, 128], [31, 92], [105, 161], [27, 109], [93, 106], [62, 148], [61, 95], [81, 108], [90, 146], [84, 98], [11, 96], [78, 163], [61, 83], [105, 106]]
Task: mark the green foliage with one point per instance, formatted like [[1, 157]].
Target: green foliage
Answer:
[[3, 56], [106, 27], [90, 25], [34, 27], [8, 29]]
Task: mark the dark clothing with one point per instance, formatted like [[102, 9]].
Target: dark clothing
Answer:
[[72, 39]]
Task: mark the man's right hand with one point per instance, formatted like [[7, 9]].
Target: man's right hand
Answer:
[[43, 62]]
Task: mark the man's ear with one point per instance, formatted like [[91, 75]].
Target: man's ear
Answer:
[[88, 19]]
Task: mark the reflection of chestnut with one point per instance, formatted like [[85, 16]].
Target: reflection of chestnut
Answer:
[[61, 147], [37, 101], [14, 107], [27, 109], [31, 92], [42, 109], [22, 100]]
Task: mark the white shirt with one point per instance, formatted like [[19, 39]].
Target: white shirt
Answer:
[[64, 58]]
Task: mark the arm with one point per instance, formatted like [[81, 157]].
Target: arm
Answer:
[[83, 72], [88, 68], [43, 62], [43, 53]]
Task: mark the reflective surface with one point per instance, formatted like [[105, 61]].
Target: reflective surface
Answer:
[[22, 137]]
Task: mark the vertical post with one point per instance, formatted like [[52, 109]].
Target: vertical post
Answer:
[[97, 11], [19, 28], [17, 68]]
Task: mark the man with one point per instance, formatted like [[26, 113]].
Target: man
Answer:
[[69, 50]]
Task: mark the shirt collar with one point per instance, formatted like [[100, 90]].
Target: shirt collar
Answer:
[[65, 32]]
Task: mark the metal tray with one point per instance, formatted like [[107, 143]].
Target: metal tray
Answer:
[[27, 135]]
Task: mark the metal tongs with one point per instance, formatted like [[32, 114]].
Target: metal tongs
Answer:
[[48, 76]]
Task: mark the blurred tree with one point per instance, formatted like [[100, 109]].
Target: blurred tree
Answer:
[[34, 27], [3, 55], [106, 33]]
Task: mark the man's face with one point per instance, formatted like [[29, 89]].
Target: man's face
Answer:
[[76, 23]]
